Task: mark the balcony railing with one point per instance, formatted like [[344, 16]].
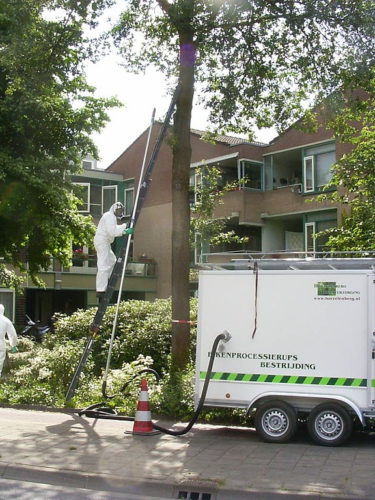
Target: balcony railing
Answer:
[[87, 265]]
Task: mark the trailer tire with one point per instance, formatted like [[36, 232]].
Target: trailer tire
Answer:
[[329, 424], [276, 421]]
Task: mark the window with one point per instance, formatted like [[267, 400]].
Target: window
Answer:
[[322, 240], [83, 193], [79, 256], [324, 163], [96, 200], [252, 175], [227, 175], [88, 164], [197, 186], [317, 167], [192, 189], [109, 197], [309, 237], [198, 250], [313, 244], [308, 174], [7, 299], [129, 196]]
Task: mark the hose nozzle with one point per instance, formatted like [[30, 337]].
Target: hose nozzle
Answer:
[[225, 336]]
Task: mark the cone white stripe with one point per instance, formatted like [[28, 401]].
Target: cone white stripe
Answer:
[[143, 396], [142, 415]]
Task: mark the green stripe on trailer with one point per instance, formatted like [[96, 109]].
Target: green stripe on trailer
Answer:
[[288, 379]]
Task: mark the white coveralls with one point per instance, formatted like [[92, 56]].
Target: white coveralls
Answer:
[[106, 232], [6, 328]]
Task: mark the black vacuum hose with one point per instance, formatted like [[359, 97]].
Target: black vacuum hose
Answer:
[[145, 370], [222, 336], [106, 412]]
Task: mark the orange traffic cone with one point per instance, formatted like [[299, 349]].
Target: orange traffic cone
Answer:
[[142, 422]]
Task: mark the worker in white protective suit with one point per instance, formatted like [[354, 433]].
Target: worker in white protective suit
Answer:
[[106, 232], [6, 328]]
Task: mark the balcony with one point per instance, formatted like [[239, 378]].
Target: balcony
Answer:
[[289, 200], [141, 275], [133, 268], [252, 206]]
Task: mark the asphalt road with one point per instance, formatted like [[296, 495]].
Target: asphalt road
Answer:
[[23, 490]]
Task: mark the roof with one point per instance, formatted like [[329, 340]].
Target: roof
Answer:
[[228, 139], [224, 139]]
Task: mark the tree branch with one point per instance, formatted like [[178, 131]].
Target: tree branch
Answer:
[[164, 5]]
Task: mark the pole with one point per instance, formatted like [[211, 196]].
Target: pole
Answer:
[[131, 226]]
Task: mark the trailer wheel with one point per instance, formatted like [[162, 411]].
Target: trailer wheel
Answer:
[[329, 424], [276, 421]]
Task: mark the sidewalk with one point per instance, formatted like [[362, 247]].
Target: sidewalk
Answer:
[[227, 462]]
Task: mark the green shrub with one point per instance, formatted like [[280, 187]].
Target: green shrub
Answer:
[[41, 373], [175, 397], [142, 328], [90, 389]]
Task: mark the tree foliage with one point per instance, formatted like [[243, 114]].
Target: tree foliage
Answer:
[[209, 194], [353, 175], [47, 113], [254, 62]]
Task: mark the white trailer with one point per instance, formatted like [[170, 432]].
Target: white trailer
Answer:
[[301, 344]]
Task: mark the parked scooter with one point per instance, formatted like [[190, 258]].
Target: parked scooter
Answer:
[[32, 329]]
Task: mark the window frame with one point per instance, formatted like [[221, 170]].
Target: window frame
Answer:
[[126, 191], [198, 248], [91, 162], [241, 174], [198, 179], [88, 185], [319, 187], [313, 226], [85, 263], [305, 160], [104, 188]]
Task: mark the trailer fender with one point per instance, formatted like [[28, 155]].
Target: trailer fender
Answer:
[[299, 395]]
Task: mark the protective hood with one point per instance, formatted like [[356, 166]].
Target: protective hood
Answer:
[[117, 209], [113, 208], [1, 310]]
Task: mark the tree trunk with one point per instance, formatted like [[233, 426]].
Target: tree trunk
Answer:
[[180, 205]]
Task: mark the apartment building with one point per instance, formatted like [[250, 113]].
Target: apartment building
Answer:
[[274, 205], [72, 288]]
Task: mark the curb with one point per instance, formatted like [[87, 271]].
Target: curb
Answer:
[[102, 482], [150, 488]]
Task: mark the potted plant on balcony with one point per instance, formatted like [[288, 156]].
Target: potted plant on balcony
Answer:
[[79, 257]]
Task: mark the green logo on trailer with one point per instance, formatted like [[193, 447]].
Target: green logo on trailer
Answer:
[[326, 288]]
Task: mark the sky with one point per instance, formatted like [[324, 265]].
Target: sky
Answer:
[[140, 94]]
